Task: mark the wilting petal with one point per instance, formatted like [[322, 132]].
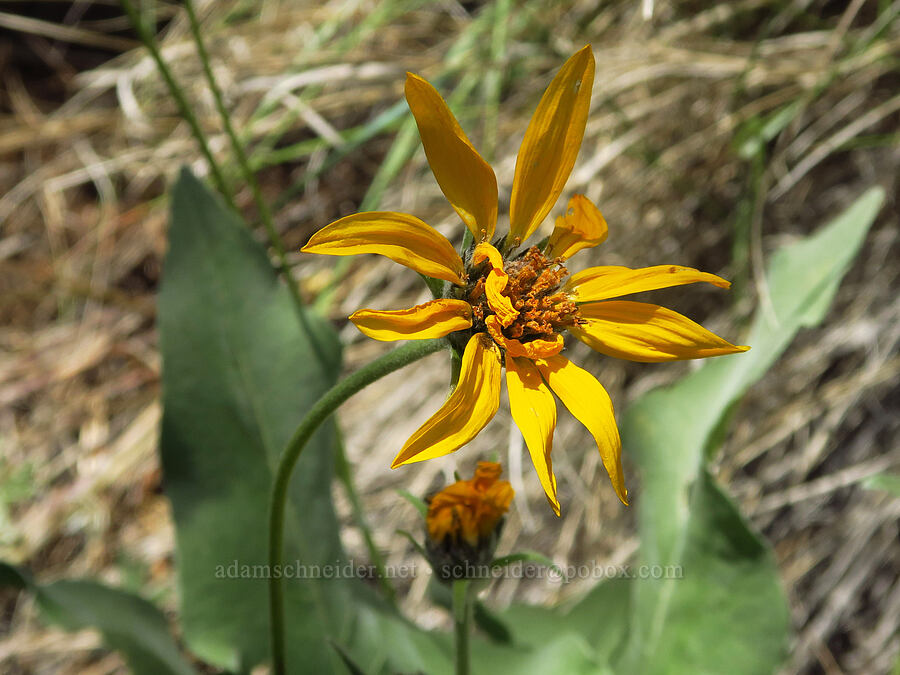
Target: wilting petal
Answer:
[[534, 412], [470, 407], [600, 283], [582, 226], [533, 349], [402, 238], [551, 144], [496, 281], [465, 178], [431, 320], [639, 331], [485, 251], [588, 401]]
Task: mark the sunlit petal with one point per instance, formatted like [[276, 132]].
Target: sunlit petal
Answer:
[[534, 412], [465, 178], [402, 238], [600, 283], [470, 407], [588, 401], [582, 226], [639, 331], [551, 144], [431, 320]]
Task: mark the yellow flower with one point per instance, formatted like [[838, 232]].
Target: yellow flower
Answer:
[[505, 307], [469, 510]]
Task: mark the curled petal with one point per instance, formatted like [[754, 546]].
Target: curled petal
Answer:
[[470, 407], [430, 320], [600, 283], [485, 251], [582, 226], [496, 281], [639, 331], [465, 178], [551, 144], [533, 349], [534, 412], [402, 238], [589, 403]]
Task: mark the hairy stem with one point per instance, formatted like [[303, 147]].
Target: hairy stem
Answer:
[[462, 615], [320, 412]]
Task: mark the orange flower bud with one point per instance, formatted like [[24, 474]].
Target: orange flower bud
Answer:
[[464, 519]]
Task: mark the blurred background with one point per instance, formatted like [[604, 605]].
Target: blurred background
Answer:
[[718, 132]]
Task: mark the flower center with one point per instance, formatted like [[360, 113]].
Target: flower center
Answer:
[[533, 291]]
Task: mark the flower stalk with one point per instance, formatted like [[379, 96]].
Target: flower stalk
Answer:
[[320, 412], [462, 620]]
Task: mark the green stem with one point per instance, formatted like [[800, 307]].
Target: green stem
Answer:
[[320, 412], [184, 108], [462, 619]]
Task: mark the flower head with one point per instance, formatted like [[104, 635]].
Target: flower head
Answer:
[[469, 510], [508, 306], [464, 521]]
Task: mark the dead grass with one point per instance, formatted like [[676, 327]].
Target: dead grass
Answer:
[[83, 175]]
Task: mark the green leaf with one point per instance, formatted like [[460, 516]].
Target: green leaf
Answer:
[[726, 610], [684, 519], [239, 373], [420, 504], [600, 618], [529, 556], [886, 482], [553, 652], [128, 623], [347, 660], [753, 136]]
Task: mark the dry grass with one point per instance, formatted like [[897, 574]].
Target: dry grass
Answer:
[[85, 155]]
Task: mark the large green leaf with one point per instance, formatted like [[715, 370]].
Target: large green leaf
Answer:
[[553, 652], [128, 623], [729, 601], [239, 373], [600, 618]]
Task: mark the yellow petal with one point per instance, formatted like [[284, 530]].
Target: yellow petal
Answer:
[[534, 412], [551, 144], [589, 403], [470, 407], [431, 320], [533, 349], [600, 283], [639, 331], [485, 251], [495, 282], [582, 226], [465, 178], [402, 238]]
